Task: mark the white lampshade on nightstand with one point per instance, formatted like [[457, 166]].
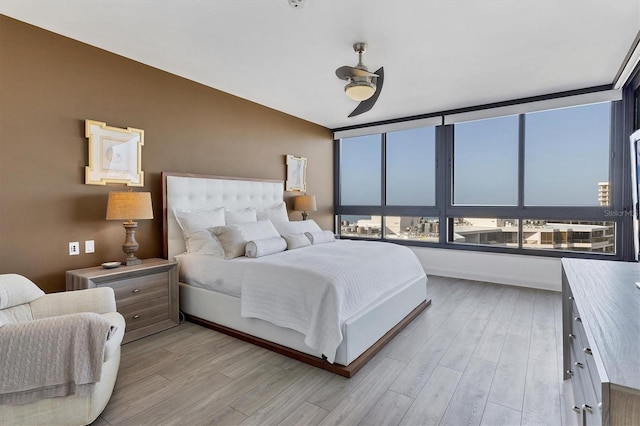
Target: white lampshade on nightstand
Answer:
[[129, 206], [305, 203]]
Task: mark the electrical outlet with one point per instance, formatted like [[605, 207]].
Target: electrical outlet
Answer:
[[74, 248], [89, 246]]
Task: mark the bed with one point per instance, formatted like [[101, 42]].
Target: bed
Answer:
[[220, 293]]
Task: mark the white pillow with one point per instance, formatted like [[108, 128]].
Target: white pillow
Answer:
[[277, 213], [234, 238], [320, 237], [195, 225], [296, 241], [265, 247], [203, 242], [297, 227], [17, 290], [233, 217]]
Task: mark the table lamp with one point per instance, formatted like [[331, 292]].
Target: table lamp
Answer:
[[305, 203], [129, 206]]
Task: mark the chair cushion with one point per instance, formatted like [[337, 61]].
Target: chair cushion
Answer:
[[17, 290]]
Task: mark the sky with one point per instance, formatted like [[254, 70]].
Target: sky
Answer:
[[566, 155]]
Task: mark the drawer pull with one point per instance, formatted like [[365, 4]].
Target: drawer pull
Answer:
[[578, 364], [571, 298], [578, 319], [576, 409], [587, 408], [137, 290], [136, 316], [587, 351], [573, 336], [569, 373]]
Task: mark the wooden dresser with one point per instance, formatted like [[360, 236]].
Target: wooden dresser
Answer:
[[601, 340], [146, 294]]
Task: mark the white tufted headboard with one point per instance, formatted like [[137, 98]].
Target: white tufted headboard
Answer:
[[190, 191]]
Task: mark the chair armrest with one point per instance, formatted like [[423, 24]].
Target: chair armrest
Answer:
[[99, 300], [115, 340]]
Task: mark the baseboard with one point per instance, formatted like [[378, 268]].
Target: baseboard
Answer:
[[517, 270]]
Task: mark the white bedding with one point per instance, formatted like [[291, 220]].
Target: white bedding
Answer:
[[312, 290]]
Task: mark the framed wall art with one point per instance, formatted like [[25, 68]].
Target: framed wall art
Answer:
[[115, 155], [296, 174]]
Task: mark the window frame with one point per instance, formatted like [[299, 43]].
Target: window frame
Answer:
[[446, 211]]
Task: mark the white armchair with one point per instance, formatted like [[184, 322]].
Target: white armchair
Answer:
[[23, 304]]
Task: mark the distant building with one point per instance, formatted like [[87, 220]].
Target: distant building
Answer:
[[603, 193], [536, 234], [577, 236]]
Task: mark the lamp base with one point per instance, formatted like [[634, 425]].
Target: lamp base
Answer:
[[134, 261], [305, 215], [130, 246]]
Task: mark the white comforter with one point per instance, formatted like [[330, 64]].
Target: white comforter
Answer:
[[313, 290]]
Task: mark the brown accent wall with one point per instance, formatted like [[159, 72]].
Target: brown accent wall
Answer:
[[50, 84]]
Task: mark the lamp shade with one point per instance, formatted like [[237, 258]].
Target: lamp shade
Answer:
[[305, 203], [129, 206]]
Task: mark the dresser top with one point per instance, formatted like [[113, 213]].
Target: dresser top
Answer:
[[609, 304]]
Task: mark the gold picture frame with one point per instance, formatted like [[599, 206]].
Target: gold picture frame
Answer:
[[296, 174], [115, 155]]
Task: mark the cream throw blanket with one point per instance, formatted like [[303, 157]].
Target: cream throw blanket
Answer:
[[51, 357]]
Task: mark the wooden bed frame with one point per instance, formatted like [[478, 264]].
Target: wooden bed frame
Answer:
[[204, 191]]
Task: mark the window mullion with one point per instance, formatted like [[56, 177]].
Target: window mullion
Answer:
[[521, 148]]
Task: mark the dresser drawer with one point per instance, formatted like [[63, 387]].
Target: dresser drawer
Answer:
[[585, 356], [137, 289], [145, 313], [576, 383]]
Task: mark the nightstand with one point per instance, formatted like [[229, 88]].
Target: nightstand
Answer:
[[146, 294]]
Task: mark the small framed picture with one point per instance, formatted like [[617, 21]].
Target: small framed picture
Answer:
[[115, 155], [296, 174]]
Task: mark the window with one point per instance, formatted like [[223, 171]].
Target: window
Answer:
[[411, 157], [361, 226], [584, 236], [534, 182], [360, 173], [485, 162], [567, 156], [485, 231], [412, 228]]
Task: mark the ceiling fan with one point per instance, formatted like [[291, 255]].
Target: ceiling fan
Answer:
[[363, 86]]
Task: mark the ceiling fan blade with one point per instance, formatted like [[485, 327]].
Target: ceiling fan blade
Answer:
[[346, 72], [367, 104]]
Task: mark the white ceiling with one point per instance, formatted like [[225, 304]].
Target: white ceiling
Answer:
[[437, 55]]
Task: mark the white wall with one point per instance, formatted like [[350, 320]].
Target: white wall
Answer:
[[512, 269]]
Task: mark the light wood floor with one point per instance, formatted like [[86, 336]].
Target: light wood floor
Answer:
[[480, 354]]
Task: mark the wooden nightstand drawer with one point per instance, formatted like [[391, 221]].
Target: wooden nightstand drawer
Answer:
[[136, 289], [146, 294], [145, 313]]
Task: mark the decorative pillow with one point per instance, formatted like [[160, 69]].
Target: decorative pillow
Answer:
[[296, 241], [277, 213], [203, 242], [320, 237], [17, 290], [265, 247], [297, 227], [234, 238], [195, 225], [233, 217]]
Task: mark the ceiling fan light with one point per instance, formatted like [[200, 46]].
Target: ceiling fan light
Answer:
[[360, 90]]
